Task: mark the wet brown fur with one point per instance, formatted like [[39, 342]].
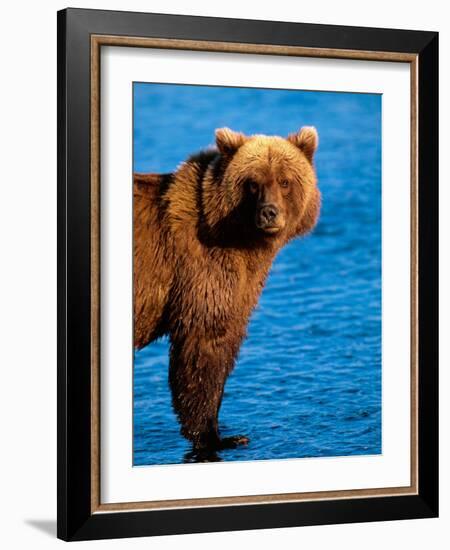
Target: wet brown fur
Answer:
[[200, 260]]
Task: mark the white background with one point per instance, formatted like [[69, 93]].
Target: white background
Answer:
[[28, 274], [119, 481]]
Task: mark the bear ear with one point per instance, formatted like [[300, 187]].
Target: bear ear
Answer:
[[307, 139], [228, 141]]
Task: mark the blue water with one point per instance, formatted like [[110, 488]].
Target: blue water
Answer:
[[307, 382]]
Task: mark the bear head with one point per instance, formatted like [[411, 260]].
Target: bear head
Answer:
[[271, 180]]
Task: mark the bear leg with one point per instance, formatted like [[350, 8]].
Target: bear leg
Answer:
[[197, 376]]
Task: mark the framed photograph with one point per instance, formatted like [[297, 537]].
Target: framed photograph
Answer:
[[247, 252]]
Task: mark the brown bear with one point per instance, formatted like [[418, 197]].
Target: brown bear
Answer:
[[205, 237]]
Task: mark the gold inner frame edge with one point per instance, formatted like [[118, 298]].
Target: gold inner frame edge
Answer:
[[263, 49]]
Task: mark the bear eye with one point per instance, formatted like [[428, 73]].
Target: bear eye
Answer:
[[284, 184], [253, 186]]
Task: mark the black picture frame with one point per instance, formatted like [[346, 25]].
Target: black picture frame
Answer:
[[75, 518]]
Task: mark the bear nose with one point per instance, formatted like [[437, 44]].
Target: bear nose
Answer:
[[268, 213]]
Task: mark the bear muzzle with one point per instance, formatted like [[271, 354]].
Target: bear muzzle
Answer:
[[269, 218]]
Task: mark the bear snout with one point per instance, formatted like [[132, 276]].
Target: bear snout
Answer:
[[268, 218], [268, 214]]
